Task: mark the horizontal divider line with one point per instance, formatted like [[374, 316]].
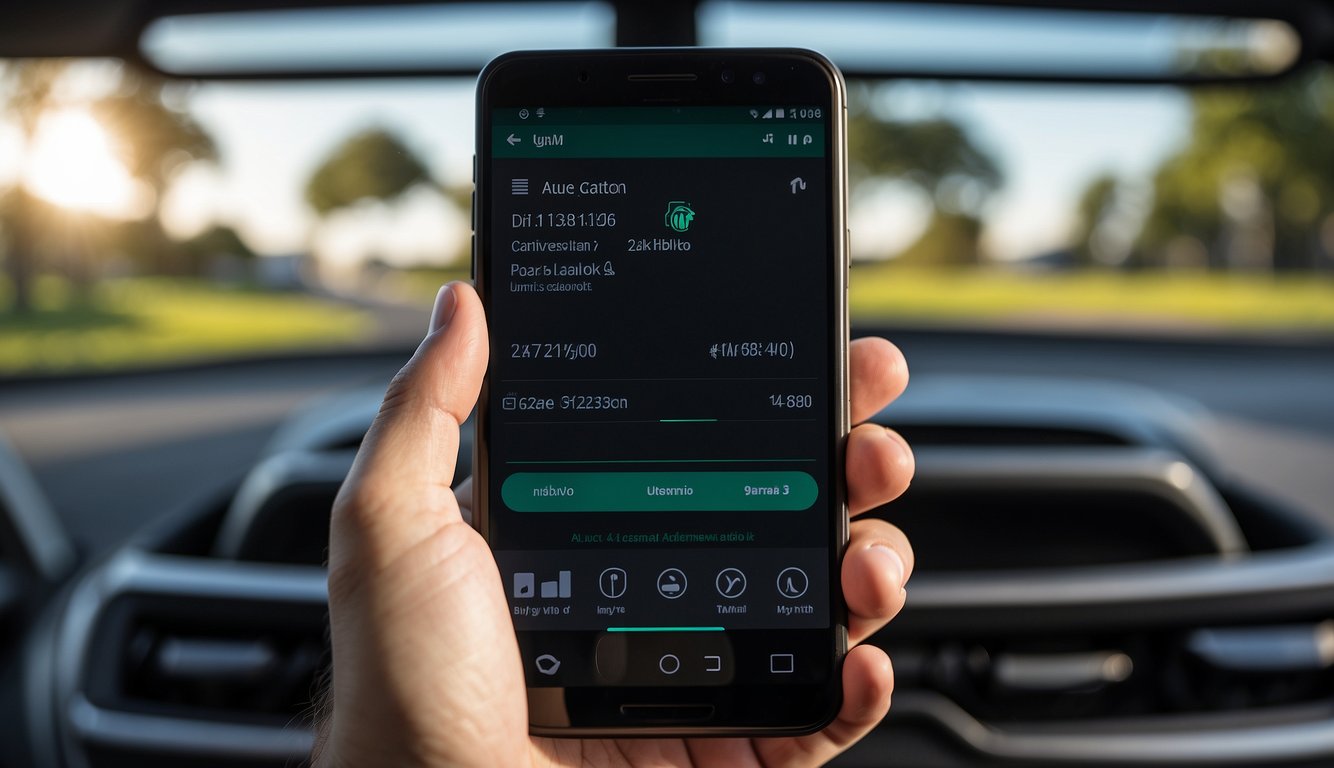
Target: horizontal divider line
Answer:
[[658, 461], [664, 629]]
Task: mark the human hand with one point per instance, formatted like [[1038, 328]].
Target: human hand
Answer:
[[426, 668]]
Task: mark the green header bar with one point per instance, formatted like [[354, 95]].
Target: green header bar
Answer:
[[658, 140], [658, 491]]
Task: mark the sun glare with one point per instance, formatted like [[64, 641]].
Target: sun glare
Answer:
[[71, 164]]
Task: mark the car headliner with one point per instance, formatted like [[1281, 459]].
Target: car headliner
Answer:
[[94, 28]]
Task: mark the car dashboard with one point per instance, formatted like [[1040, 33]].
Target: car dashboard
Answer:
[[1110, 572]]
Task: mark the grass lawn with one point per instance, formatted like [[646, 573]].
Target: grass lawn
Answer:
[[143, 321], [422, 283], [1183, 302]]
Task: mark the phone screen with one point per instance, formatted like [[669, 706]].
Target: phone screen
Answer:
[[664, 397]]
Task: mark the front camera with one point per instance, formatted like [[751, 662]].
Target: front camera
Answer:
[[757, 78], [728, 76]]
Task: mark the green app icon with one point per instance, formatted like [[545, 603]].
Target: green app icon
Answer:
[[679, 215]]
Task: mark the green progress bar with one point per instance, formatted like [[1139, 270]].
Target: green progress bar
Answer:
[[683, 421], [664, 629]]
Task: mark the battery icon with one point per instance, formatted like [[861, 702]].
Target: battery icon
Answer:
[[778, 114]]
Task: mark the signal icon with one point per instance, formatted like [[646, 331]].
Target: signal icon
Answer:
[[767, 115]]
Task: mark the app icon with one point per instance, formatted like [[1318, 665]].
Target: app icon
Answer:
[[523, 585], [792, 583], [526, 585], [612, 583], [547, 664], [560, 587], [672, 583], [679, 216], [730, 582]]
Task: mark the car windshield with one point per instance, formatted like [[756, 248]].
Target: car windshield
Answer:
[[146, 221]]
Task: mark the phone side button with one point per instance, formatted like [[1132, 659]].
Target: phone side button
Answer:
[[472, 249]]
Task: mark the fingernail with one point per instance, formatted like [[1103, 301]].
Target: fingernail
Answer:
[[443, 311], [890, 562]]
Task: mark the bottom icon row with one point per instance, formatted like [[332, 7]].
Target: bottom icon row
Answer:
[[671, 584], [670, 664]]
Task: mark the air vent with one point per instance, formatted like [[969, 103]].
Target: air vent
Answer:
[[998, 508], [1265, 666], [236, 675], [221, 659], [1036, 679], [1050, 678], [1209, 660], [195, 659]]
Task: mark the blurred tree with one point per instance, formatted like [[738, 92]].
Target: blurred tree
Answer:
[[938, 157], [29, 85], [1096, 202], [371, 165], [152, 139], [950, 240], [1255, 179], [219, 239], [935, 155], [155, 140], [216, 250]]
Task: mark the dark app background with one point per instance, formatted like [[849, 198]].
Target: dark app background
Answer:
[[622, 346]]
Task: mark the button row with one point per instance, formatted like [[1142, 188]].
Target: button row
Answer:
[[659, 491], [672, 583], [660, 658]]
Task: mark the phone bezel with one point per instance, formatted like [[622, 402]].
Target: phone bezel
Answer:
[[687, 77]]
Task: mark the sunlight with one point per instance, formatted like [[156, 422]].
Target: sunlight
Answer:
[[71, 164]]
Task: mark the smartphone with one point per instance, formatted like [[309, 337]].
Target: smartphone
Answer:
[[661, 247]]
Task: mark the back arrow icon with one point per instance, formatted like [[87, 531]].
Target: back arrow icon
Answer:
[[512, 140]]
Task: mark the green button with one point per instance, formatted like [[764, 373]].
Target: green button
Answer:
[[658, 491]]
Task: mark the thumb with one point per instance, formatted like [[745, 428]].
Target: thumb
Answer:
[[397, 492]]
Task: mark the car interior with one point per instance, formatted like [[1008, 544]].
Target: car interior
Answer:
[[1122, 407]]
